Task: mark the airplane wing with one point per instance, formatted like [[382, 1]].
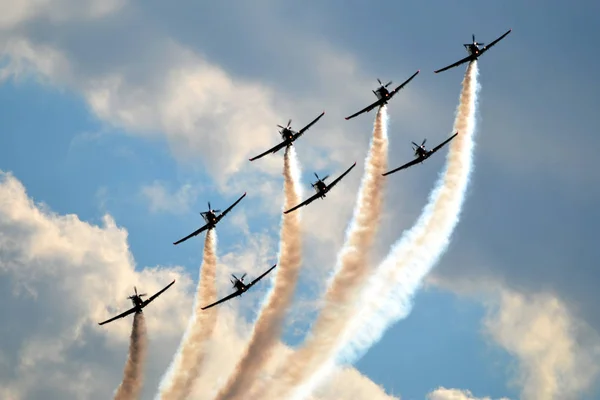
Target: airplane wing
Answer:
[[271, 150], [205, 227], [297, 135], [260, 277], [224, 299], [393, 92], [126, 313], [408, 164], [157, 294], [304, 203], [367, 108], [224, 213], [439, 146], [456, 64], [332, 184], [486, 48]]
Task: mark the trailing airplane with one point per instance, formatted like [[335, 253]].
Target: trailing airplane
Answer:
[[211, 218], [474, 51], [421, 154], [383, 95], [138, 303], [240, 287], [321, 188], [288, 135]]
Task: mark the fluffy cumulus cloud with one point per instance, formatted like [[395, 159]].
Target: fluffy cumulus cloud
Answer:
[[60, 276], [455, 394], [558, 354], [202, 110]]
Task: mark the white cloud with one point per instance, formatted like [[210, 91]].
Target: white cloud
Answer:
[[558, 355], [442, 393], [60, 276], [25, 57], [160, 199]]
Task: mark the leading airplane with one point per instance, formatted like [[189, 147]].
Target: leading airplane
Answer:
[[321, 188], [288, 135], [383, 95], [240, 287], [211, 218], [421, 154], [474, 51], [138, 303]]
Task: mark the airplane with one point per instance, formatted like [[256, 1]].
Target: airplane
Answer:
[[321, 188], [474, 51], [138, 303], [211, 218], [288, 135], [383, 95], [422, 154], [240, 287]]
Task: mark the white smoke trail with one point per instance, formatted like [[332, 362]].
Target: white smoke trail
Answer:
[[388, 297], [418, 250], [133, 375], [351, 272], [185, 368], [268, 327]]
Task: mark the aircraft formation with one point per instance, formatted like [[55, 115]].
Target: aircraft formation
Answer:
[[289, 136]]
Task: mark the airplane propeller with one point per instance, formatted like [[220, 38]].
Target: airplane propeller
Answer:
[[209, 210], [422, 143], [321, 179], [289, 124], [386, 85], [240, 279], [136, 294]]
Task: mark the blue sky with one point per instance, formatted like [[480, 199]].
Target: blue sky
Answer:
[[529, 220]]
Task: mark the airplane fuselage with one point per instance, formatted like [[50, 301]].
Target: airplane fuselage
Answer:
[[421, 152], [239, 285], [473, 50], [320, 187], [287, 134], [382, 93], [210, 218], [137, 303]]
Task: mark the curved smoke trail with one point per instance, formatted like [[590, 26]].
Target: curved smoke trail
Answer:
[[185, 368], [133, 375], [351, 272], [389, 297], [390, 292], [268, 327]]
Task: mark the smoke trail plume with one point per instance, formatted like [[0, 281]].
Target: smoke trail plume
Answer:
[[351, 272], [388, 297], [133, 375], [268, 327], [183, 372]]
